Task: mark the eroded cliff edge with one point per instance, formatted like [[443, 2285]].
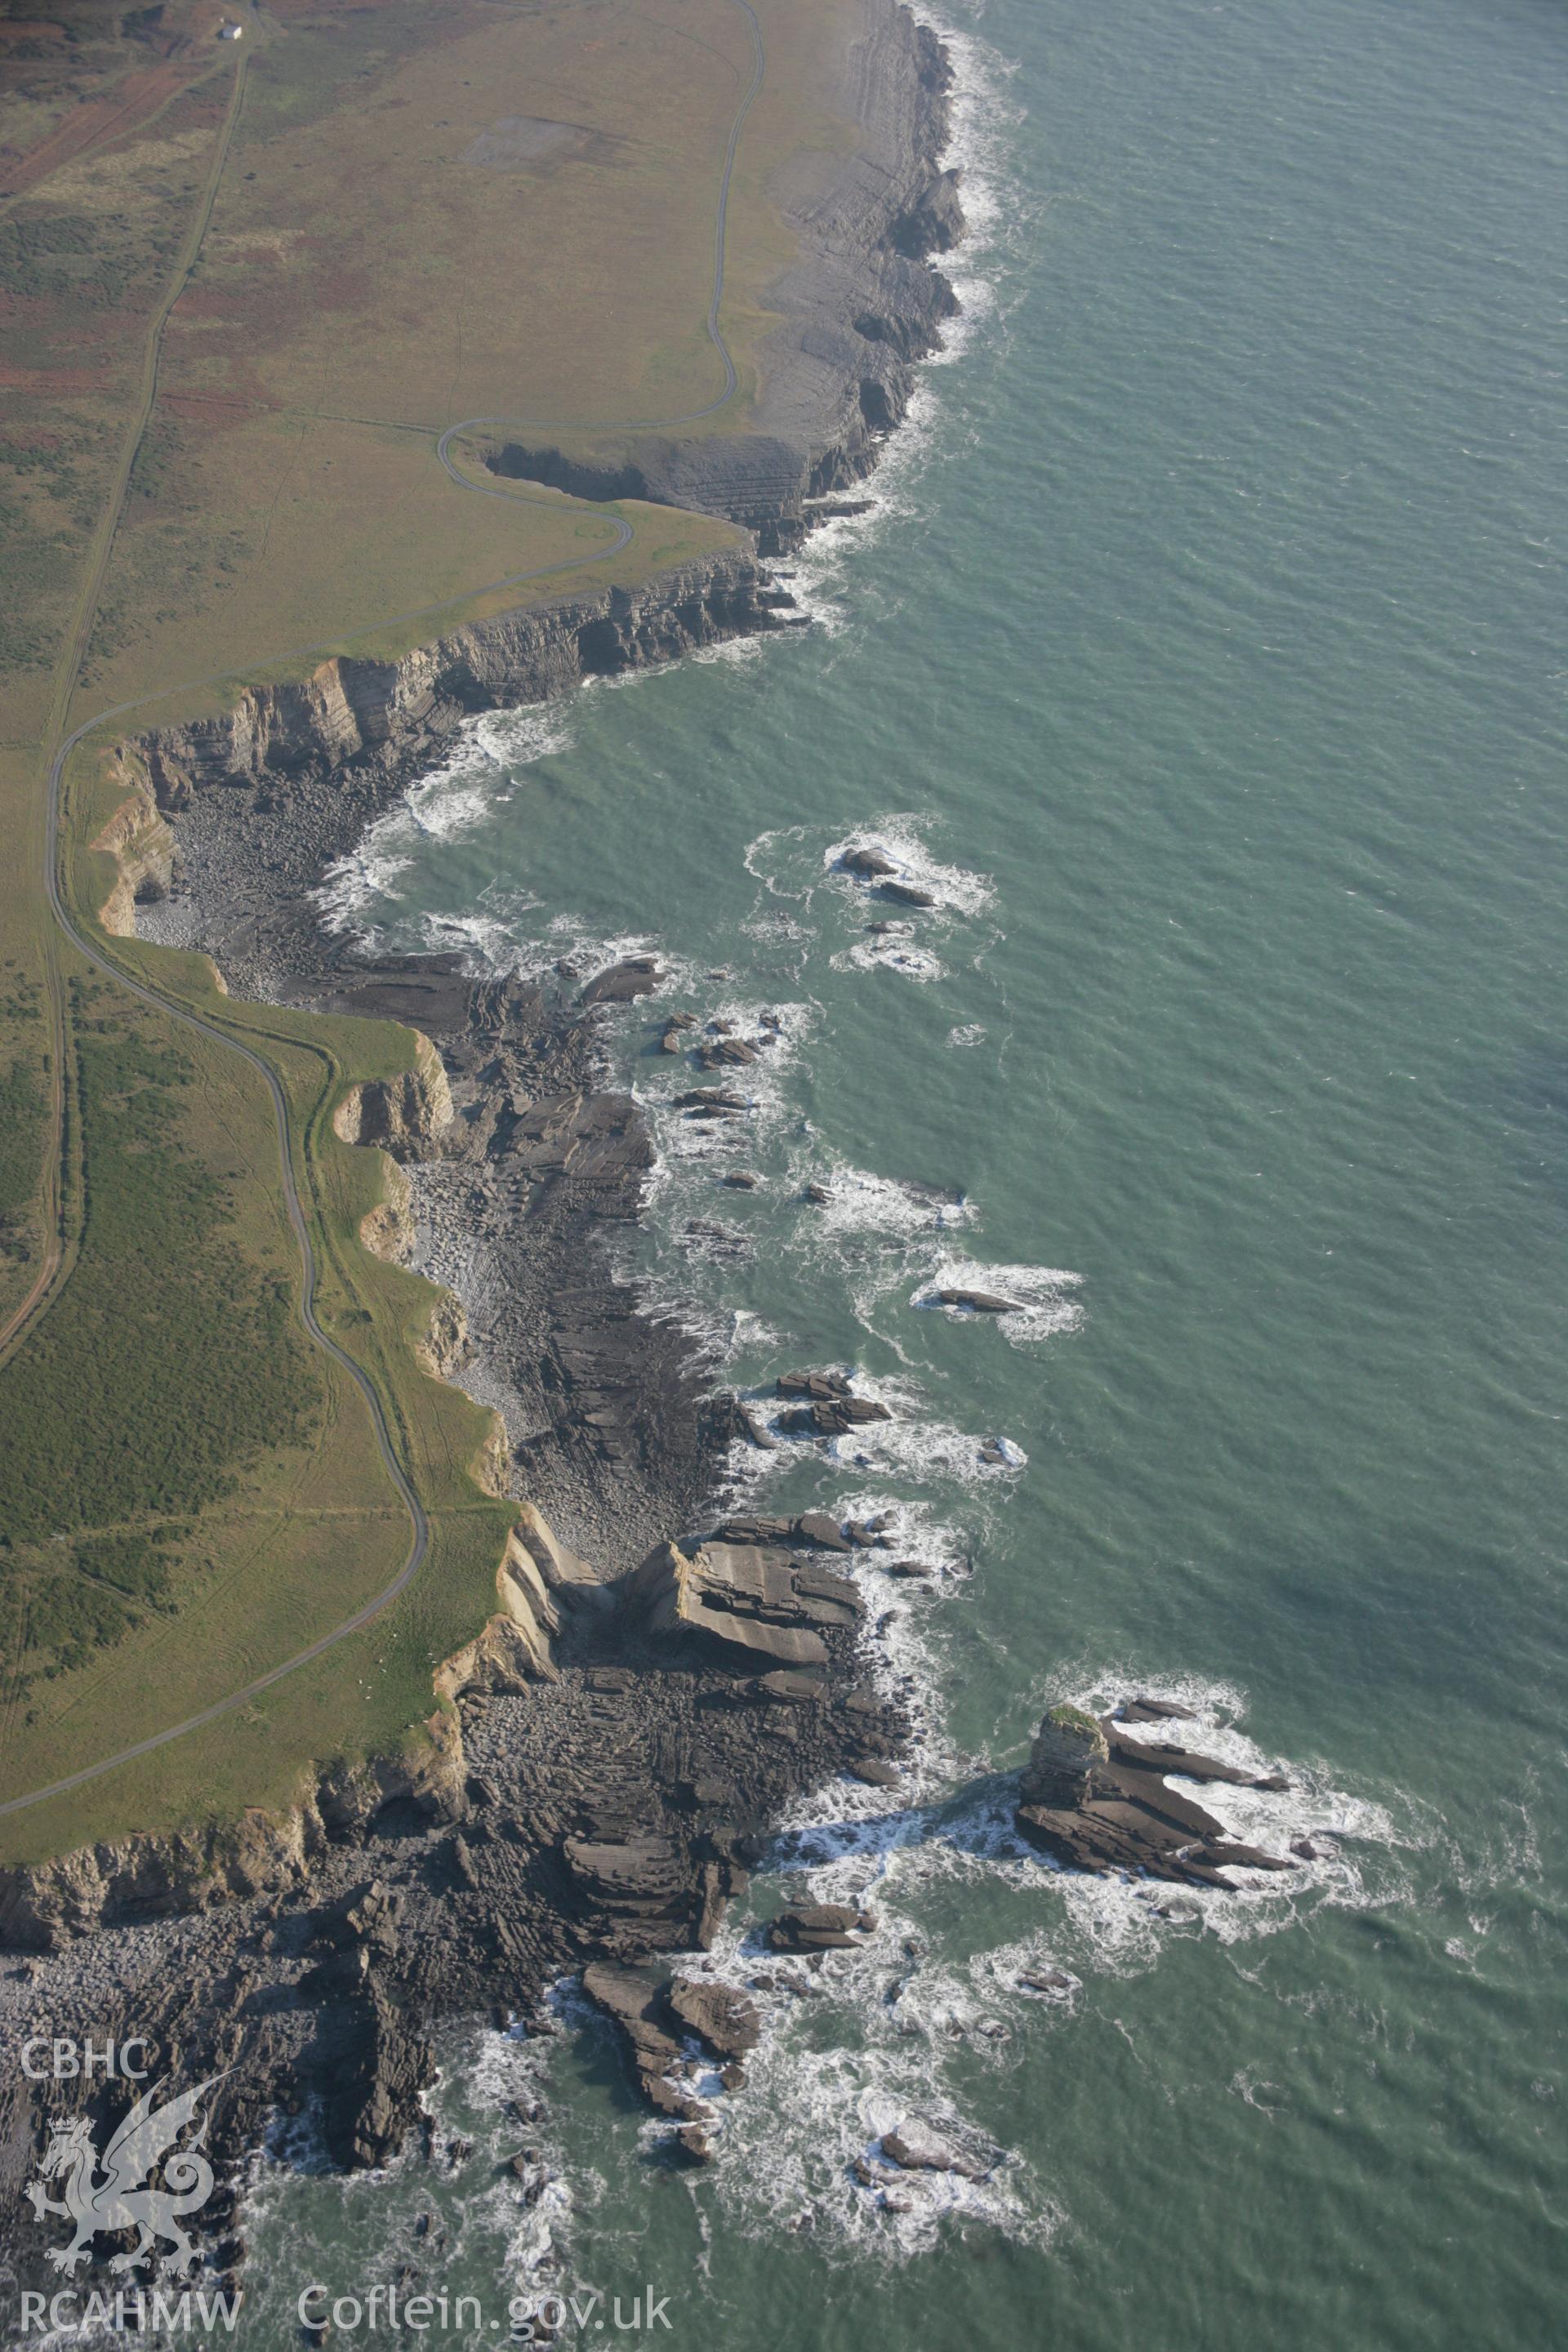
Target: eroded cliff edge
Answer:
[[266, 794], [610, 1786], [857, 309]]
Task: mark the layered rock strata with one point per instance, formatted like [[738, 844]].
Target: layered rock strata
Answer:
[[1092, 1797], [856, 310]]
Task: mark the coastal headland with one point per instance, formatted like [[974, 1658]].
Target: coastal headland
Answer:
[[358, 390]]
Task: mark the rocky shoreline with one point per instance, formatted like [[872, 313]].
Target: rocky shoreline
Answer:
[[857, 311], [628, 1732], [664, 1680], [305, 766], [656, 1691], [658, 1702]]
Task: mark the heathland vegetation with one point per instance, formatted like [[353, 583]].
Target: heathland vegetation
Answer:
[[245, 287]]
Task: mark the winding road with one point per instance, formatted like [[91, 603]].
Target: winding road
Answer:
[[59, 906]]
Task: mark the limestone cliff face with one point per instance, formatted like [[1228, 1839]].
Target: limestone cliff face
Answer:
[[516, 1646], [46, 1904], [116, 1883], [388, 1230], [1065, 1749], [140, 844], [446, 1345], [352, 708], [491, 1470], [407, 1115], [857, 307]]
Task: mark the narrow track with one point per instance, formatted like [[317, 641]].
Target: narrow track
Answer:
[[106, 964], [58, 1252]]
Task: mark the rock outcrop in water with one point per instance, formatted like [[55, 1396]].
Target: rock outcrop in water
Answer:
[[659, 2015], [1091, 1797], [818, 1927]]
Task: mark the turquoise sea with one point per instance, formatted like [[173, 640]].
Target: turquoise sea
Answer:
[[1205, 656]]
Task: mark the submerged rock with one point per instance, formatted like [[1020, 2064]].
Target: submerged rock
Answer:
[[812, 1384], [833, 1416], [732, 1418], [818, 1927], [908, 894], [1144, 1709], [979, 1302], [918, 2149], [619, 983], [1168, 1758]]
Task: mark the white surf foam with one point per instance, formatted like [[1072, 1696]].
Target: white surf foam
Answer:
[[863, 1203], [934, 1998], [787, 2143], [455, 796], [985, 116], [900, 837], [1046, 1304], [893, 952]]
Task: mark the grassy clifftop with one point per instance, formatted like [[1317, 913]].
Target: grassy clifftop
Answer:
[[190, 1489], [249, 286]]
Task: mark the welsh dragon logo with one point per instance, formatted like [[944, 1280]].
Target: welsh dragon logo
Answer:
[[119, 2198]]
